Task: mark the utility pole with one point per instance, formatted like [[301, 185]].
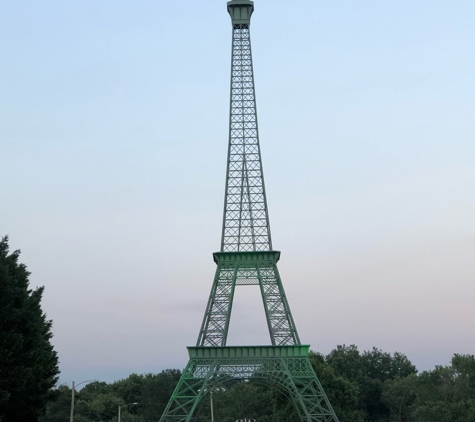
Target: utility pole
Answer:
[[71, 419]]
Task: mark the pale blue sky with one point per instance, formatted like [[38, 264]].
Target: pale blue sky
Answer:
[[113, 133]]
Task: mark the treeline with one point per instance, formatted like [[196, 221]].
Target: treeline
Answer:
[[378, 386], [368, 386]]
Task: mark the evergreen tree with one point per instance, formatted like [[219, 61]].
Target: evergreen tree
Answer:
[[28, 363]]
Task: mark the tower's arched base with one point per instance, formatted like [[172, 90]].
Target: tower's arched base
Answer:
[[287, 366]]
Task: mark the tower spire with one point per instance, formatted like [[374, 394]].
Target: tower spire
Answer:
[[246, 219]]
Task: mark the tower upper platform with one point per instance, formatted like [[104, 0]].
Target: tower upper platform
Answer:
[[241, 11]]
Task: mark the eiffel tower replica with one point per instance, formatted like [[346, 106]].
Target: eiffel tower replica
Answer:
[[247, 258]]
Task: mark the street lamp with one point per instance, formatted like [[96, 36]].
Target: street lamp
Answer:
[[125, 405], [72, 398], [212, 407]]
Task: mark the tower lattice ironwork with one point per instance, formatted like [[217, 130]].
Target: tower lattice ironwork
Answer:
[[247, 258]]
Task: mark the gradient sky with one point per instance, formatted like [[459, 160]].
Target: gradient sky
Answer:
[[113, 133]]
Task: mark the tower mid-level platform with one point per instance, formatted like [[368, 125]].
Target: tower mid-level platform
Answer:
[[232, 352]]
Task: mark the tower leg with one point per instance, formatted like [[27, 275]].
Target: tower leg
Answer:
[[191, 388], [244, 269]]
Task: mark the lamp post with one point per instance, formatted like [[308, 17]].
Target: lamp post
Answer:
[[125, 405], [71, 419], [211, 402]]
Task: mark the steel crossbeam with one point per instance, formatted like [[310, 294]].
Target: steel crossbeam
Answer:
[[247, 259]]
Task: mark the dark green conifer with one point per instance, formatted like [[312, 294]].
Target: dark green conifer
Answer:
[[28, 362]]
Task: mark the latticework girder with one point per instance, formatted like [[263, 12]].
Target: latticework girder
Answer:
[[247, 268], [246, 223]]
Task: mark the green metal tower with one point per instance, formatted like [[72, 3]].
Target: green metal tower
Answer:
[[247, 258]]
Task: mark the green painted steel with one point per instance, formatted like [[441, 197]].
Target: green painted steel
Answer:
[[246, 219], [231, 352], [240, 11], [246, 258], [292, 375], [247, 269]]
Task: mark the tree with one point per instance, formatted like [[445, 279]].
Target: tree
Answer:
[[347, 362], [379, 367], [366, 372], [103, 407], [59, 407], [156, 392], [399, 395], [447, 393], [464, 373], [341, 392], [28, 362]]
